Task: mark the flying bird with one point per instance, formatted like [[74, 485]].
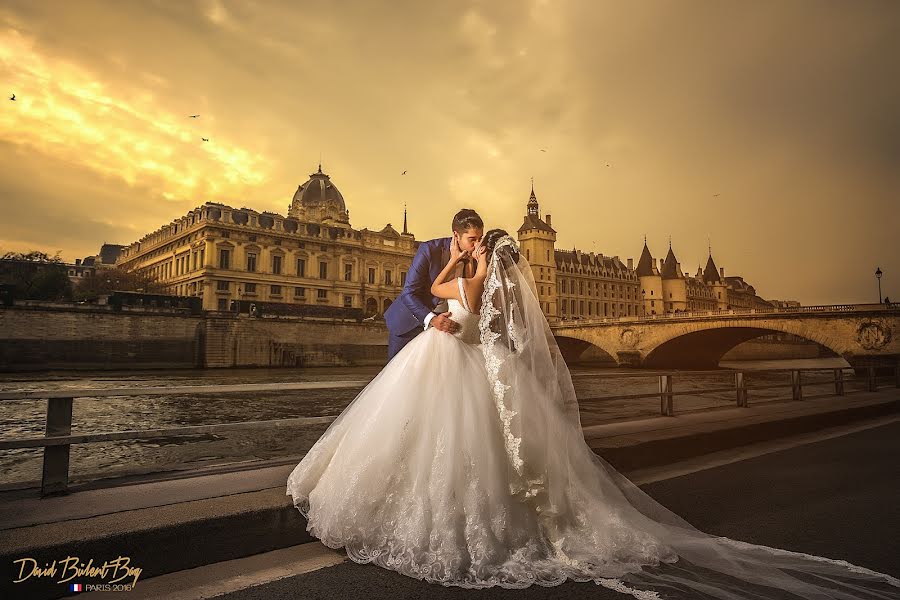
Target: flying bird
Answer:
[[13, 97], [715, 195], [403, 173], [205, 139], [542, 150], [193, 116]]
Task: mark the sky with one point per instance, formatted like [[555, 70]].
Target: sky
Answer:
[[768, 131]]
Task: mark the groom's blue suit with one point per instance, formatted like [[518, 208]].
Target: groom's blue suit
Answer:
[[405, 317]]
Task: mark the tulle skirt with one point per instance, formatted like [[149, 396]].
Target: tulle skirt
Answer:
[[414, 476]]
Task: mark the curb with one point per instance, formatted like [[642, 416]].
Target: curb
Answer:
[[665, 451]]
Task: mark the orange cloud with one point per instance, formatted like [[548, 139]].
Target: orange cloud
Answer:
[[68, 112]]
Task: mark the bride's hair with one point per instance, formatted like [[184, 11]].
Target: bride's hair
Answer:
[[492, 237]]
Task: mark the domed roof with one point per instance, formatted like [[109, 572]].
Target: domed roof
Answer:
[[319, 199], [318, 191]]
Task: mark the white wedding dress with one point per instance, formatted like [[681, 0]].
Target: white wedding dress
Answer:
[[462, 463]]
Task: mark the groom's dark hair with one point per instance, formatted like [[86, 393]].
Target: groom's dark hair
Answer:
[[466, 219]]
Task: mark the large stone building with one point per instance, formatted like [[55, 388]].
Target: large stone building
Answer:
[[311, 256], [579, 285]]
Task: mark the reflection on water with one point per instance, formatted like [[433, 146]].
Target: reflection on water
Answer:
[[26, 418]]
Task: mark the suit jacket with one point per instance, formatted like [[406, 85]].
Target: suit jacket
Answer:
[[408, 311]]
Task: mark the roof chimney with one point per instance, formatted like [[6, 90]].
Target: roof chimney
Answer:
[[722, 272], [661, 262], [77, 262], [547, 219], [631, 264]]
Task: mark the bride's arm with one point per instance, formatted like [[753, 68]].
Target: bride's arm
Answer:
[[441, 288], [475, 285]]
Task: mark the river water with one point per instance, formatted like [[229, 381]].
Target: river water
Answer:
[[26, 418]]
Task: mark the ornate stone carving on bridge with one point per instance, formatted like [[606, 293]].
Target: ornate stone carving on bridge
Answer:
[[630, 338], [873, 334]]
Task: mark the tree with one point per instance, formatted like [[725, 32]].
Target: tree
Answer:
[[106, 281], [36, 276]]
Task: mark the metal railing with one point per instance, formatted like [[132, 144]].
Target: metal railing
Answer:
[[58, 438], [824, 308]]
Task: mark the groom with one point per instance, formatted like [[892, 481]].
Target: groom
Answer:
[[414, 309]]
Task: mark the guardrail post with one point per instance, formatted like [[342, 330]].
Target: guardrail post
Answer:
[[666, 403], [873, 383], [55, 478], [740, 384], [839, 382], [796, 385]]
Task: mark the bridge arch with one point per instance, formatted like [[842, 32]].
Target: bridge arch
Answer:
[[704, 347], [576, 350]]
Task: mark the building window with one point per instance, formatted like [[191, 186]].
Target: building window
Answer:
[[223, 304], [387, 277], [548, 256], [299, 292], [222, 286], [224, 255], [323, 248], [527, 254], [348, 301], [276, 290], [322, 294], [403, 278], [371, 275], [251, 261], [250, 288], [276, 265], [323, 270], [301, 267], [581, 307], [348, 272]]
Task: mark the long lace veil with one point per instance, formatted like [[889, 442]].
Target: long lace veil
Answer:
[[579, 495]]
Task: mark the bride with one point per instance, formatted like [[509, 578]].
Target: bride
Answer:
[[463, 463]]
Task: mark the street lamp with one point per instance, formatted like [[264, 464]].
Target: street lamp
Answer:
[[878, 277]]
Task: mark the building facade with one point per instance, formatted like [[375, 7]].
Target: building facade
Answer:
[[310, 256], [573, 284]]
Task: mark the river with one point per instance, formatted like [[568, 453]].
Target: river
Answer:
[[26, 418]]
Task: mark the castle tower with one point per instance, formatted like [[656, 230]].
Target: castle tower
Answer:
[[674, 283], [536, 242], [651, 283], [711, 278]]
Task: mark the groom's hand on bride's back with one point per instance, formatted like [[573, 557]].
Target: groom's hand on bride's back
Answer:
[[445, 323]]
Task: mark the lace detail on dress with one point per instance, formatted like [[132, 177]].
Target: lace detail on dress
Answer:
[[493, 362], [842, 563]]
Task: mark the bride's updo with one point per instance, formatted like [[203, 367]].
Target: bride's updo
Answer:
[[490, 240]]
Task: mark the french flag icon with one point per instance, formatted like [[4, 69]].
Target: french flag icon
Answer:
[[77, 587]]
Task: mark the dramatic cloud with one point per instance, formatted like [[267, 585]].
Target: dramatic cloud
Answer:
[[769, 129]]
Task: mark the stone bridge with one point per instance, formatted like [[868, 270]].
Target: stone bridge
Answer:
[[863, 334]]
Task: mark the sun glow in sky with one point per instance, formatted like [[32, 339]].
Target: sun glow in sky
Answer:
[[770, 130]]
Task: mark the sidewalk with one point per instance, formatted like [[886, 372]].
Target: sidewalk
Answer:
[[201, 518]]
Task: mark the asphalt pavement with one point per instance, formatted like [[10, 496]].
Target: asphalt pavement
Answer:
[[837, 498]]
